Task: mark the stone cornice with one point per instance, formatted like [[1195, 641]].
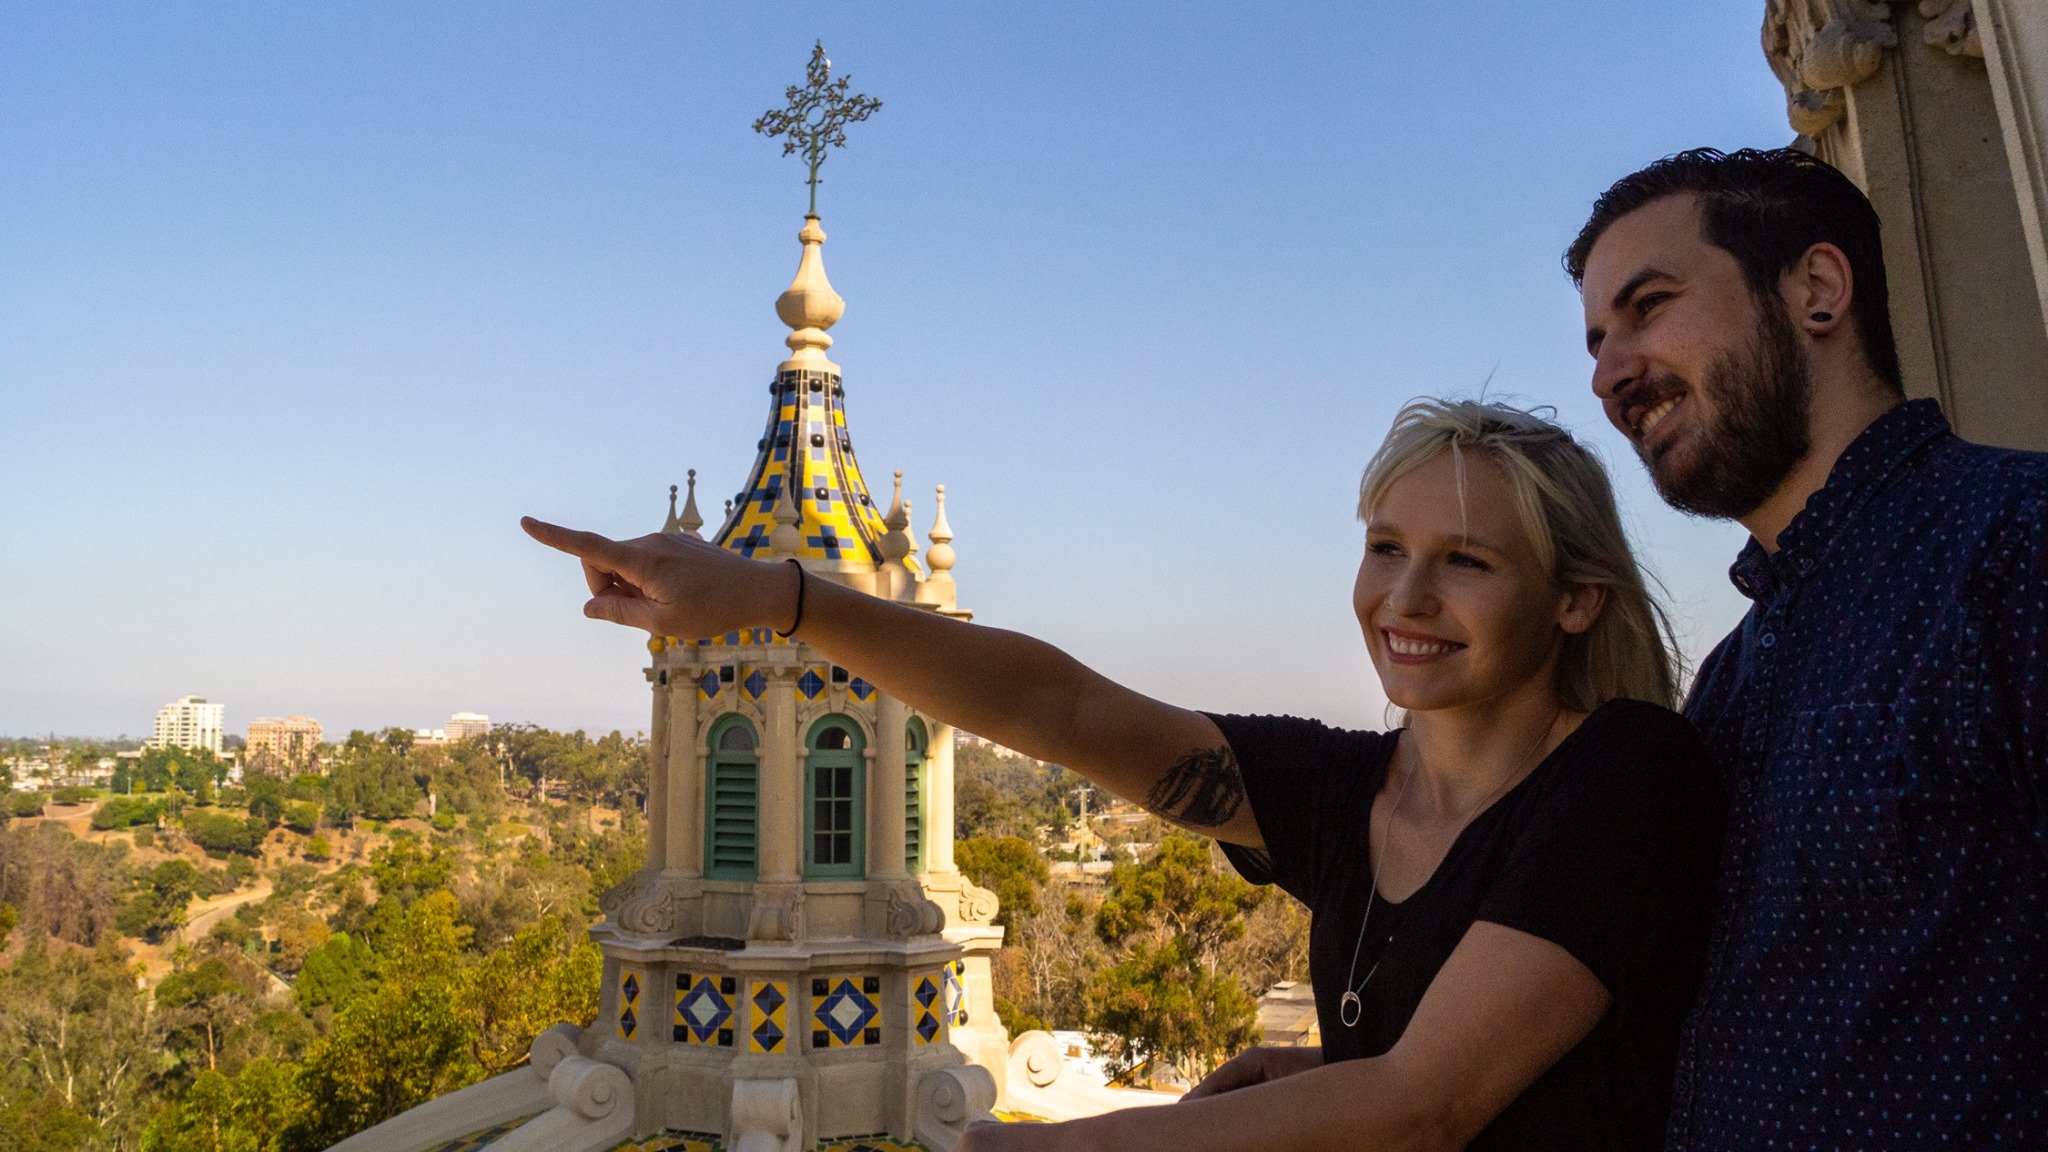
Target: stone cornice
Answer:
[[1817, 48]]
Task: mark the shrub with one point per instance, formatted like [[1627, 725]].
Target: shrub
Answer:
[[27, 803], [75, 794], [303, 818], [145, 837], [317, 848], [126, 812], [217, 833]]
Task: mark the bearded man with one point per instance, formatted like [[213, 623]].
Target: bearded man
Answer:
[[1878, 973]]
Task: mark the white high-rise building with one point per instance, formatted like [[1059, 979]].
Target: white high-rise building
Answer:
[[190, 722], [464, 725]]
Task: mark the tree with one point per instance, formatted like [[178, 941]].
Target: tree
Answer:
[[334, 972], [158, 906], [1008, 866], [1167, 1000], [74, 1031], [547, 974], [1003, 795], [404, 1041]]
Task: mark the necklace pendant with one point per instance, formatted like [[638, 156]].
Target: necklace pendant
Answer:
[[1349, 1009]]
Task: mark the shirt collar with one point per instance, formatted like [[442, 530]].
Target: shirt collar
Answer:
[[1863, 467]]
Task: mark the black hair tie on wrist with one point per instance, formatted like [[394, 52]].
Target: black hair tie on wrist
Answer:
[[799, 621]]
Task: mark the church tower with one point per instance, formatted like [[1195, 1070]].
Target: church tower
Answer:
[[799, 965], [800, 920]]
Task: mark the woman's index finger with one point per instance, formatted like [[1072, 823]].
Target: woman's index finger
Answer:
[[587, 546]]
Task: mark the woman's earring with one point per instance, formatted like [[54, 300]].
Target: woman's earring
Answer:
[[1823, 317]]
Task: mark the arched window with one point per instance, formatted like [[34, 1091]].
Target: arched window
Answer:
[[835, 816], [913, 796], [732, 802]]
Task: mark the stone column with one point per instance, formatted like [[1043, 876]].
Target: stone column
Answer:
[[1899, 98], [938, 833], [781, 823], [683, 818], [886, 785], [2015, 42], [657, 771]]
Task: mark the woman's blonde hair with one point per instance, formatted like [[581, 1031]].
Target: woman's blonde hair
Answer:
[[1568, 510]]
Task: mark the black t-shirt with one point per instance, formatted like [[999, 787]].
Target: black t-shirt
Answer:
[[1607, 848]]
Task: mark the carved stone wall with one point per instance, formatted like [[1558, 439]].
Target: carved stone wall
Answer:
[[1899, 96]]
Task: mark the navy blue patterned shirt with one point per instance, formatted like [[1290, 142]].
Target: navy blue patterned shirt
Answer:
[[1878, 972]]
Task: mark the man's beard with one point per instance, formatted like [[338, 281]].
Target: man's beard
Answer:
[[1761, 397]]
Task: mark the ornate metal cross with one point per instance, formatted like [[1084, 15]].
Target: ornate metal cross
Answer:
[[817, 116]]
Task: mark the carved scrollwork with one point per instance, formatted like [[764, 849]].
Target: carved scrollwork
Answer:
[[1952, 27], [1819, 47], [644, 905], [910, 914], [948, 1100], [977, 905]]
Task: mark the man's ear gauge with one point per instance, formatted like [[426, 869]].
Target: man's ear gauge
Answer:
[[1823, 317]]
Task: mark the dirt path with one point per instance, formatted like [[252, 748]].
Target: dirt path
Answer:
[[200, 917]]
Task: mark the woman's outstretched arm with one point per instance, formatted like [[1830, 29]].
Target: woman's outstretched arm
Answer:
[[1504, 1008], [1020, 692]]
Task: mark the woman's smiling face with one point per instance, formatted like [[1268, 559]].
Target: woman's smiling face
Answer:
[[1456, 608]]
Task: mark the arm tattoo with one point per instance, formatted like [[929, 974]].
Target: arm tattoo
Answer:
[[1203, 790]]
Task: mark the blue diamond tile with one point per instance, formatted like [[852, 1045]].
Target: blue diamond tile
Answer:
[[767, 999], [811, 684], [846, 1013], [767, 1035], [704, 1011], [628, 1023], [861, 689], [927, 1027], [927, 991], [756, 684], [709, 684], [632, 986]]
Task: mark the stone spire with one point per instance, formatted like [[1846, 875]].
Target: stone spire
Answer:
[[787, 539], [670, 526], [896, 543], [691, 519], [941, 556]]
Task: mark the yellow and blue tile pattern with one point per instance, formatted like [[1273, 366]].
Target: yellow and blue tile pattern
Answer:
[[629, 1005], [846, 1011], [956, 994], [705, 1007], [807, 452], [770, 1031], [868, 1144], [927, 1009]]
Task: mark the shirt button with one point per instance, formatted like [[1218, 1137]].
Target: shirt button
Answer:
[[1768, 640]]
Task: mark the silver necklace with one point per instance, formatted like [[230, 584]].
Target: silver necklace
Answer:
[[1351, 1009]]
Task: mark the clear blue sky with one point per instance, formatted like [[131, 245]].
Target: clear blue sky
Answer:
[[301, 306]]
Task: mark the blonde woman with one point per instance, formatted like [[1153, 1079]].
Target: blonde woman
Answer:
[[1509, 894]]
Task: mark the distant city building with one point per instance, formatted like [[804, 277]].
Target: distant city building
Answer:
[[464, 725], [289, 745], [190, 722], [429, 737]]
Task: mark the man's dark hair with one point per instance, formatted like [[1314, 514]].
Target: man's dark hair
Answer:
[[1766, 208]]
